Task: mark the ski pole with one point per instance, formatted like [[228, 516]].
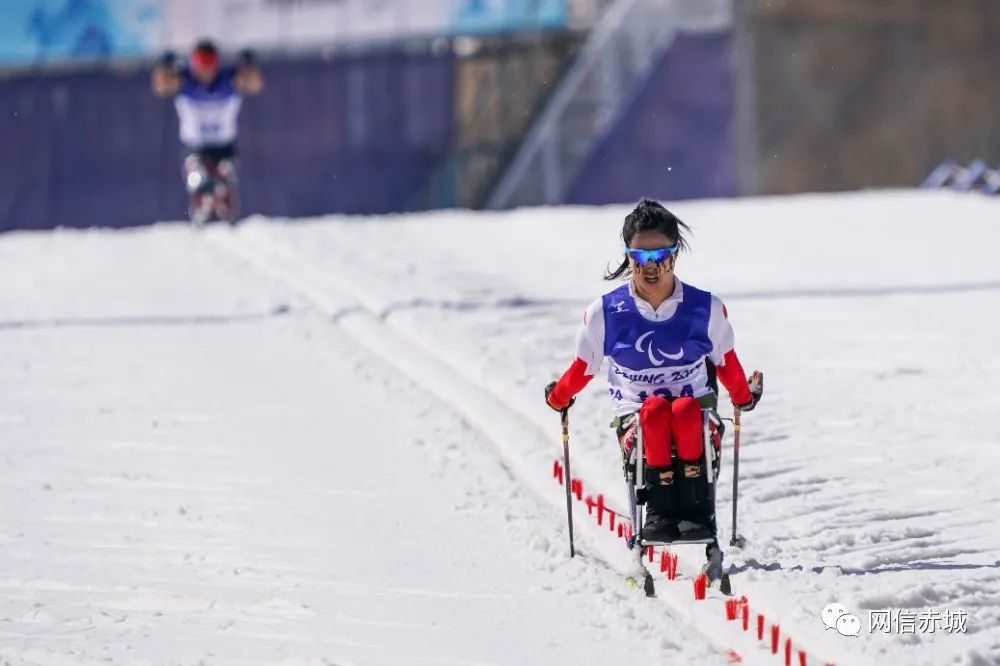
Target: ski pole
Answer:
[[735, 540], [569, 497]]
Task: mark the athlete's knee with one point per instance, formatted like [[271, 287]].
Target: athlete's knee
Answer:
[[654, 404], [655, 417], [195, 173], [687, 428]]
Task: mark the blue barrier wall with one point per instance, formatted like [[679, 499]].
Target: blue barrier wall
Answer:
[[676, 139], [355, 134]]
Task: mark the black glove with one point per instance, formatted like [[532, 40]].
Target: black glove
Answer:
[[548, 392], [168, 59], [755, 383], [246, 58]]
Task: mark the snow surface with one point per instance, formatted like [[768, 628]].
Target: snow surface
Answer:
[[323, 442]]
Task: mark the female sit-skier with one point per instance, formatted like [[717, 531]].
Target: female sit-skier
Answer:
[[666, 343]]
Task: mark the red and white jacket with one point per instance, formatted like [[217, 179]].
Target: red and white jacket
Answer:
[[635, 338]]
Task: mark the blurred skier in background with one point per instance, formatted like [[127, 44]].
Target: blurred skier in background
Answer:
[[208, 97]]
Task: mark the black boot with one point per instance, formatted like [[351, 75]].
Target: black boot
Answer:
[[695, 506], [659, 528], [661, 522]]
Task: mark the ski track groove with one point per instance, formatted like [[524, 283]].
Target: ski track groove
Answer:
[[336, 298]]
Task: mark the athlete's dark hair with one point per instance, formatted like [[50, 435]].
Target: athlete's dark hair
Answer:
[[649, 215], [205, 46]]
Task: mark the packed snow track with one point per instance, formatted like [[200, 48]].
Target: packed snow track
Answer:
[[323, 441]]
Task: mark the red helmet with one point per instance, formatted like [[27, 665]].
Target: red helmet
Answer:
[[204, 57]]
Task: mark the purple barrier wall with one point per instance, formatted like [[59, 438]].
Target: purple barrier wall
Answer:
[[676, 139], [357, 134], [85, 149]]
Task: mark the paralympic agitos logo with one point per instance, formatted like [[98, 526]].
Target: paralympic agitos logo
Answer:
[[645, 344]]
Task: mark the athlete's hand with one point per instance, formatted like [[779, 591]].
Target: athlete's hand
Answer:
[[755, 383], [168, 60], [549, 400], [249, 79], [165, 80], [246, 58]]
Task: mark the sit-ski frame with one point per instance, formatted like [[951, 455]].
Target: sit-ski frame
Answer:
[[636, 484]]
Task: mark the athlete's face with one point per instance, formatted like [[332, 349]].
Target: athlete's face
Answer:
[[652, 277], [205, 74]]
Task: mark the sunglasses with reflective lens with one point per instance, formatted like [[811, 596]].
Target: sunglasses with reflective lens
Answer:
[[655, 256]]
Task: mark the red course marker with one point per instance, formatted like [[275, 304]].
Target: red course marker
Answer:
[[700, 586], [735, 608], [672, 575]]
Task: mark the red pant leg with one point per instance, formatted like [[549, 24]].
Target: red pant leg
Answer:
[[687, 428], [655, 417]]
